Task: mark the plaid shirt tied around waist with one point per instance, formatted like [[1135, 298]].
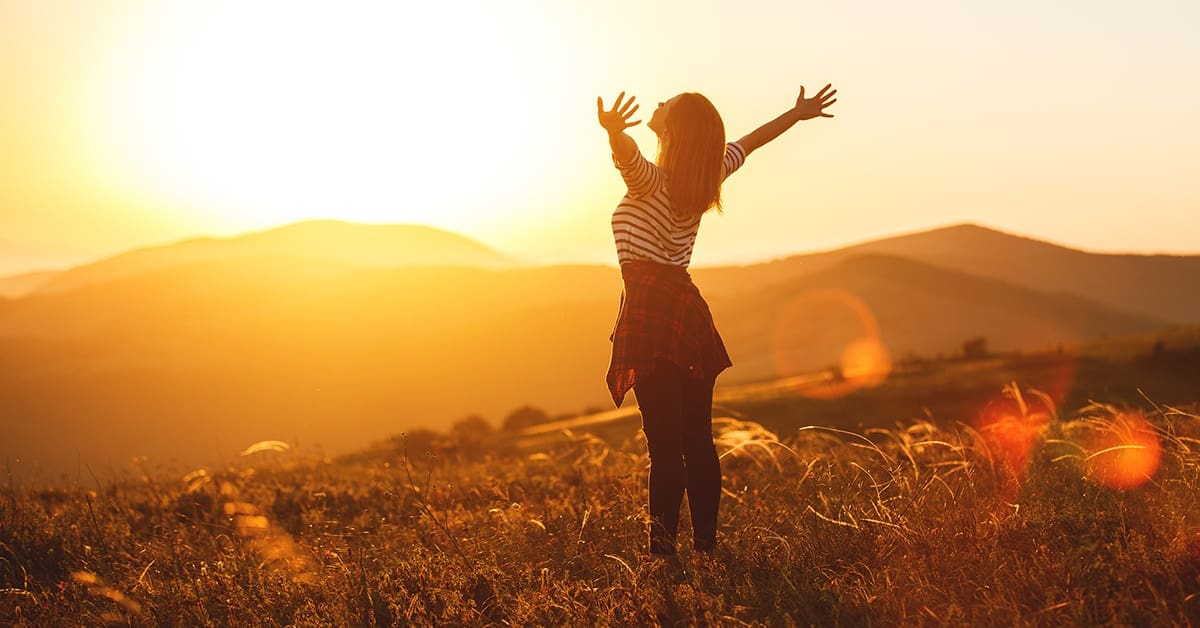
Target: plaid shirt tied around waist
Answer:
[[662, 316]]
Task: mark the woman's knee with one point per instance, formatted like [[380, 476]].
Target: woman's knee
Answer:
[[664, 446], [699, 447]]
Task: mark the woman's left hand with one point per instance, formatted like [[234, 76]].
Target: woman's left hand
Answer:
[[808, 108]]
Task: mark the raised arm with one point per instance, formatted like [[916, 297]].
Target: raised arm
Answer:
[[615, 121], [805, 109]]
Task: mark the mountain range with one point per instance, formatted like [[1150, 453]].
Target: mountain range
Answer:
[[336, 243], [23, 257], [1152, 285], [338, 334]]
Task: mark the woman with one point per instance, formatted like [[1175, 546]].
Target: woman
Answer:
[[665, 346]]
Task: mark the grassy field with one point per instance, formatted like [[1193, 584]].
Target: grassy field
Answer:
[[1028, 517]]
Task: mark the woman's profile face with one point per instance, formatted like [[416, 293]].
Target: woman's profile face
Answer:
[[658, 120]]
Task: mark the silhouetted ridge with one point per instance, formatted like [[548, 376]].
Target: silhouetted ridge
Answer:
[[335, 242], [1146, 284], [24, 283], [919, 308]]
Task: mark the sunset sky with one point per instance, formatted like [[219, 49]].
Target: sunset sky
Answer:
[[137, 122]]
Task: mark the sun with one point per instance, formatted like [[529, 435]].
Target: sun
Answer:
[[385, 112]]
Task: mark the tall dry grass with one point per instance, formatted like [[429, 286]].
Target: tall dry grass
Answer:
[[1024, 517]]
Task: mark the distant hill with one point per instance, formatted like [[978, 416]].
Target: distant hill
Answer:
[[200, 360], [20, 285], [1152, 285], [194, 360], [20, 258], [322, 240], [920, 309]]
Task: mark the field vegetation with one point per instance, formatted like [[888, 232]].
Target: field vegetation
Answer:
[[1025, 517]]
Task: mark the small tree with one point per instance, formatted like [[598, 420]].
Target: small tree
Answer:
[[472, 426], [418, 442], [473, 435], [975, 348], [523, 417], [836, 374]]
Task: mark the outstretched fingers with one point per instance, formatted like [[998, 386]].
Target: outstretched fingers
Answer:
[[629, 108], [825, 98], [617, 104], [827, 104], [815, 106], [621, 107], [617, 118]]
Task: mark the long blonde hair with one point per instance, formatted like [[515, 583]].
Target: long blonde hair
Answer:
[[691, 153]]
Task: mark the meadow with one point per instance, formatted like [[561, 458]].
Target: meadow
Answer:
[[1031, 517]]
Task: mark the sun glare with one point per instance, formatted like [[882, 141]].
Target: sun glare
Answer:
[[386, 113], [1126, 452], [836, 326]]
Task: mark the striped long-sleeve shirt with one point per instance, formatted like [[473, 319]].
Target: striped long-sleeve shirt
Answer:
[[644, 226]]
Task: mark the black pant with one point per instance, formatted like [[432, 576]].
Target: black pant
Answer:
[[677, 419]]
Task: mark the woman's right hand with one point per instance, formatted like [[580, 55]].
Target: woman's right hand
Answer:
[[809, 108], [616, 120]]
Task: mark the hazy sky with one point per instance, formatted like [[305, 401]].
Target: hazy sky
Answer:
[[143, 121]]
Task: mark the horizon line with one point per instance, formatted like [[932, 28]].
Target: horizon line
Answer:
[[551, 260]]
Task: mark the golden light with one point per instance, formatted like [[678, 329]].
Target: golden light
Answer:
[[835, 330], [867, 362], [267, 113], [1011, 427], [1125, 452]]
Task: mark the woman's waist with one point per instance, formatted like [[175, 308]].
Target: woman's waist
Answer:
[[643, 270], [656, 287]]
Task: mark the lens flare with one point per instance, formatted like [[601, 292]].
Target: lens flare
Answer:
[[867, 362], [1012, 427], [833, 330], [1125, 452]]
